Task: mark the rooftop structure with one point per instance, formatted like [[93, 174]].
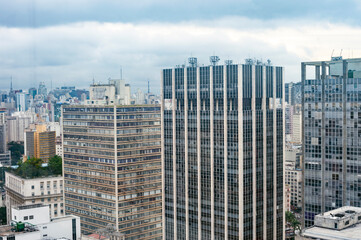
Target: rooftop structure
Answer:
[[341, 223], [33, 222], [116, 91]]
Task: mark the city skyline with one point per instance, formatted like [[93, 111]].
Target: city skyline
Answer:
[[39, 42]]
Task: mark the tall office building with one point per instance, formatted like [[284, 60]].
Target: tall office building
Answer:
[[222, 153], [112, 168], [332, 136], [5, 158], [40, 143]]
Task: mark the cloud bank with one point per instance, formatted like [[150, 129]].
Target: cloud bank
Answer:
[[75, 53]]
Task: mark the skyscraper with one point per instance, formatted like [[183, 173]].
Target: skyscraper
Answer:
[[112, 168], [222, 155], [332, 136], [40, 143], [4, 153]]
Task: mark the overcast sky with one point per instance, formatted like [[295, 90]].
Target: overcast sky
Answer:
[[67, 42]]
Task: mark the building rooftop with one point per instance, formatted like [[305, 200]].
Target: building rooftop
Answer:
[[351, 233], [333, 59], [23, 207], [341, 223]]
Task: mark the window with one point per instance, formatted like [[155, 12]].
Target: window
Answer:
[[32, 187], [33, 194], [31, 217], [26, 218], [48, 192], [33, 201], [49, 199], [347, 223], [45, 227], [42, 199], [45, 235]]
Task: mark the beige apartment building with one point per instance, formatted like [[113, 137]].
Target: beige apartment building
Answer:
[[112, 168], [45, 190]]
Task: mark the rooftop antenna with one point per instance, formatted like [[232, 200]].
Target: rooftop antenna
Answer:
[[332, 53], [192, 61], [214, 60], [228, 62], [341, 53], [148, 87], [11, 83]]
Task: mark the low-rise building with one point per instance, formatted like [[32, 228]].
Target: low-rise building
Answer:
[[44, 190], [34, 222], [341, 223], [5, 158]]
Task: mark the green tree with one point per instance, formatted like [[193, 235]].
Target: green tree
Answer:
[[17, 151], [31, 168], [55, 165], [292, 221]]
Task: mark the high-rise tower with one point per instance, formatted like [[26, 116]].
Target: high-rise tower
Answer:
[[112, 168], [222, 155], [331, 136]]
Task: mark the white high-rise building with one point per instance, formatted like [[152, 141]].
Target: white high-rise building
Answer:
[[223, 151], [21, 102]]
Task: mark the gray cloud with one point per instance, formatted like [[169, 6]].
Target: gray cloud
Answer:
[[73, 54], [37, 13]]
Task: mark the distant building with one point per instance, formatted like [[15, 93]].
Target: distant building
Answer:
[[32, 92], [3, 145], [341, 223], [40, 143], [16, 125], [115, 92], [59, 146], [22, 102], [34, 222], [296, 134], [42, 89], [293, 93], [139, 97], [294, 182], [44, 190], [5, 155]]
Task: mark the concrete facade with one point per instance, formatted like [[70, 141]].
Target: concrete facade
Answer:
[[47, 190]]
